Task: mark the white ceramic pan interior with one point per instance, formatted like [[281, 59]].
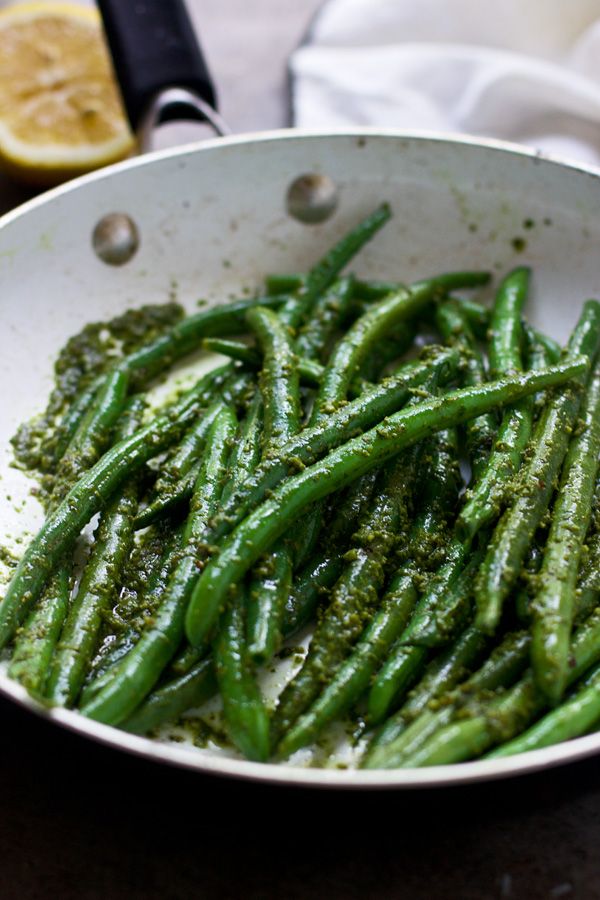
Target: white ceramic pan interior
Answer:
[[212, 220]]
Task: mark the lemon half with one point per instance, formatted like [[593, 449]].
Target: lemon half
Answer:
[[60, 109]]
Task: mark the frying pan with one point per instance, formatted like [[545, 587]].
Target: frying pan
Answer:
[[211, 220]]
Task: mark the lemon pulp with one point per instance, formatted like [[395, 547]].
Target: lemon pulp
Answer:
[[60, 109]]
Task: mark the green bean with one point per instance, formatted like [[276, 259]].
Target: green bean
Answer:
[[554, 604], [585, 600], [524, 592], [441, 484], [538, 354], [337, 377], [427, 541], [574, 717], [595, 524], [270, 586], [285, 283], [362, 338], [185, 337], [397, 738], [35, 645], [310, 371], [168, 702], [321, 571], [355, 594], [320, 277], [261, 528], [187, 453], [280, 389], [249, 568], [441, 675], [446, 671], [301, 542], [505, 324], [551, 349], [352, 678], [90, 493], [504, 665], [73, 418], [311, 443], [362, 290], [152, 358], [171, 504], [493, 485], [386, 351], [148, 597], [376, 290], [313, 583], [465, 738], [508, 714], [359, 341], [585, 647], [495, 478], [245, 713], [311, 522], [476, 315], [112, 546], [187, 657], [185, 459], [279, 382], [139, 671], [518, 524], [92, 434], [234, 349], [84, 448], [401, 670], [588, 588], [328, 315], [446, 602], [170, 494], [245, 454], [453, 323], [268, 594]]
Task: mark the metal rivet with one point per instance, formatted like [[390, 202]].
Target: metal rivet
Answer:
[[115, 239], [312, 198]]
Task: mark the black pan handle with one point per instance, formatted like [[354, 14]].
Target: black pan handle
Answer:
[[154, 48]]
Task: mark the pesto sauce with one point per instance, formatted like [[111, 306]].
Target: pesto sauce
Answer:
[[85, 356], [8, 557], [202, 732]]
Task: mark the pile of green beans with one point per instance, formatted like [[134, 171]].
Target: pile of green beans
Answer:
[[308, 499]]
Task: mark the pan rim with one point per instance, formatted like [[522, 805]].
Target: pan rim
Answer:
[[287, 134], [192, 759]]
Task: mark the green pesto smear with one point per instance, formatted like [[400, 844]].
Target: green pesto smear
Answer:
[[84, 358], [7, 557]]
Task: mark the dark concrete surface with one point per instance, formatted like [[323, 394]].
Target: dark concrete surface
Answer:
[[81, 822]]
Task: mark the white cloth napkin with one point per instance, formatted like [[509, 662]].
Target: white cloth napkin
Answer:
[[523, 70]]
